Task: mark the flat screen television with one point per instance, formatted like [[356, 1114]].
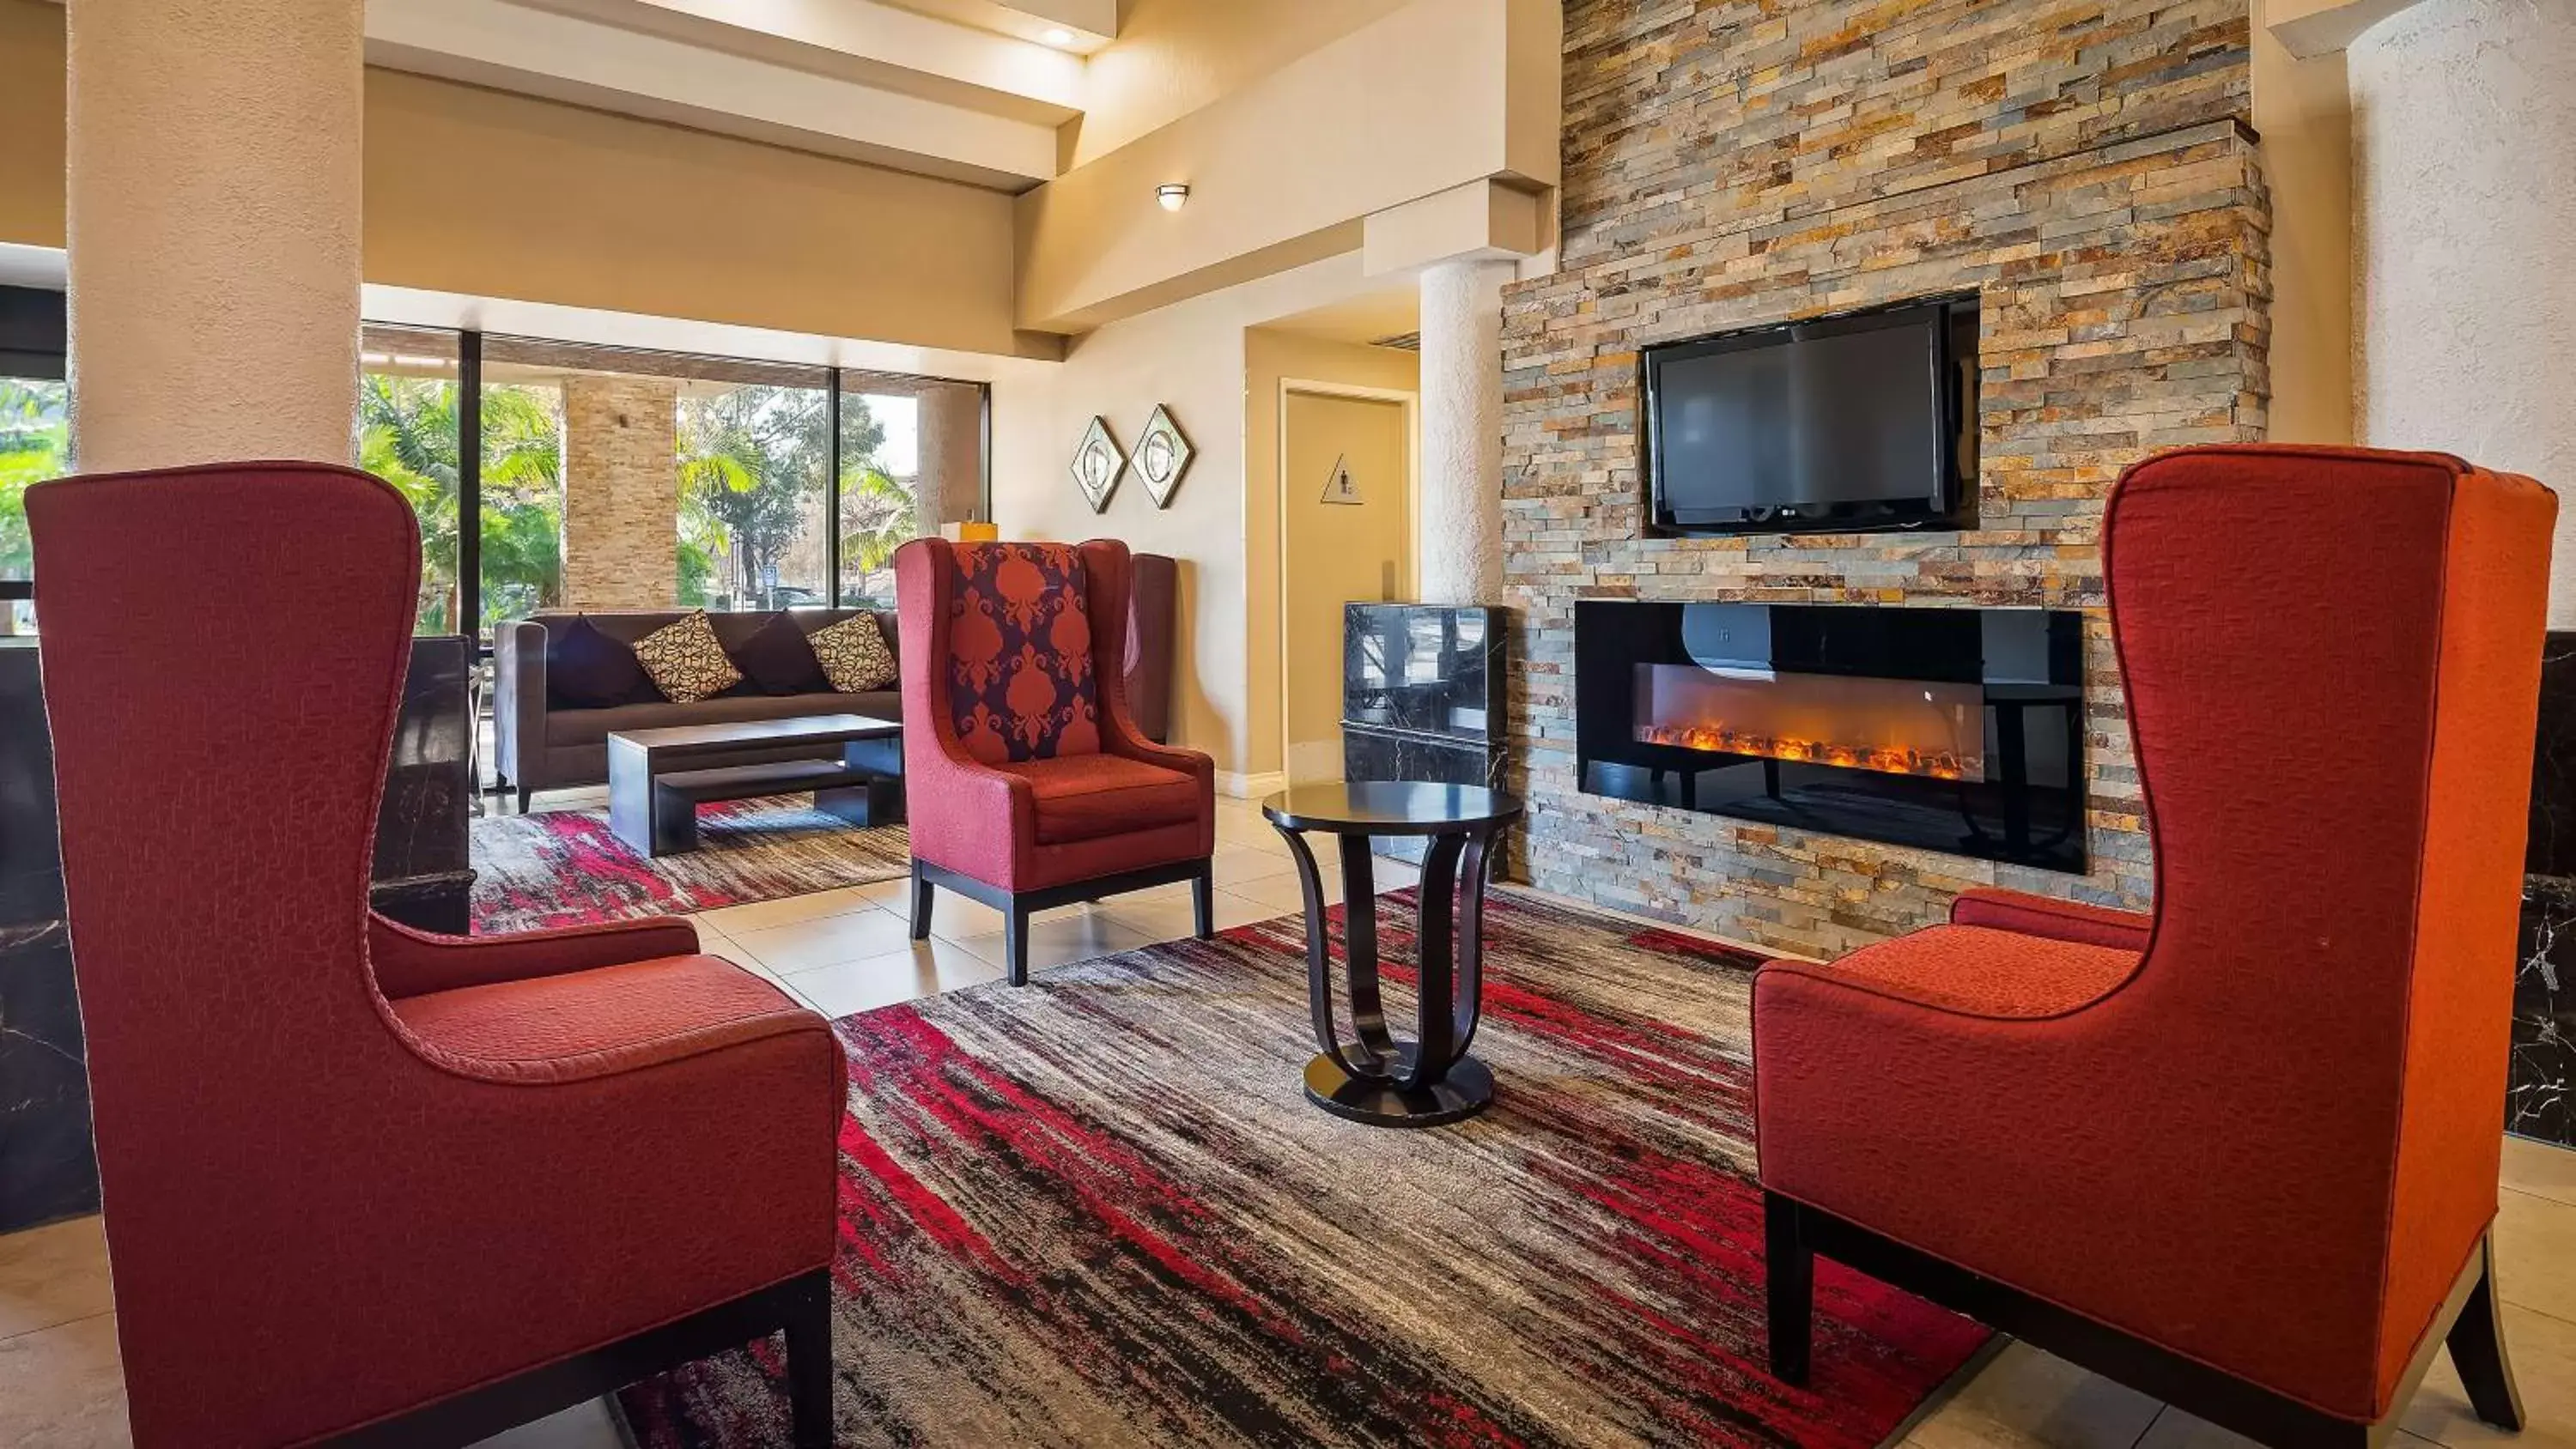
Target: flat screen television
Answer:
[[1856, 422]]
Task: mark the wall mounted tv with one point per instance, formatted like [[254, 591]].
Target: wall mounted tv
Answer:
[[1862, 421]]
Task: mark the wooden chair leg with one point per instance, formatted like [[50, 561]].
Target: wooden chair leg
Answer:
[[1790, 1266], [920, 904], [1203, 902], [2476, 1343], [1015, 942], [809, 1361]]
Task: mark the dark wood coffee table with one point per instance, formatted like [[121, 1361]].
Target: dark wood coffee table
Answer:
[[1377, 1079], [654, 794]]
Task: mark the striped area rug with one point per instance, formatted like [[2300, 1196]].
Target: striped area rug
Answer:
[[566, 868], [1097, 1211]]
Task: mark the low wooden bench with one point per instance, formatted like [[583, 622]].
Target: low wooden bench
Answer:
[[654, 794]]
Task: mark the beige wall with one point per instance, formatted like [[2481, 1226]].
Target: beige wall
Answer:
[[2304, 113], [1271, 356], [31, 123], [1336, 553], [1283, 170], [486, 194], [1192, 357], [594, 210], [1174, 56]]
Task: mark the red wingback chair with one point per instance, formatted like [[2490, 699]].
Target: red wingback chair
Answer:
[[1027, 782], [364, 1184], [2240, 1152]]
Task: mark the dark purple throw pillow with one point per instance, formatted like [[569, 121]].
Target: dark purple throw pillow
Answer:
[[585, 669], [777, 660]]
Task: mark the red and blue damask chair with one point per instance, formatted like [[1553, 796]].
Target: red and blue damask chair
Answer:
[[1028, 784], [2241, 1152]]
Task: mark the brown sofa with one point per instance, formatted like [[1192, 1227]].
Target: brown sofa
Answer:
[[539, 745]]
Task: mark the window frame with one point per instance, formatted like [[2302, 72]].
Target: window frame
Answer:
[[35, 342]]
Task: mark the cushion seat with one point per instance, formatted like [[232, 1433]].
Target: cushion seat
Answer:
[[1085, 797], [583, 1022], [1979, 971]]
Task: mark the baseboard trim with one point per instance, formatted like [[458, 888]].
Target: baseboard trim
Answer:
[[1251, 787]]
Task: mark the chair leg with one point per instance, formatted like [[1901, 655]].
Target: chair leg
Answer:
[[2476, 1343], [1015, 941], [1203, 902], [809, 1361], [523, 799], [1791, 1270], [920, 904]]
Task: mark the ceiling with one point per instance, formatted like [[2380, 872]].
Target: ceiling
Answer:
[[1388, 314], [970, 90]]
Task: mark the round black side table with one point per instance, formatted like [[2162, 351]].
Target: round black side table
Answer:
[[1377, 1079]]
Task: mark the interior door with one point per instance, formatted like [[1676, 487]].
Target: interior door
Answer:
[[1348, 489]]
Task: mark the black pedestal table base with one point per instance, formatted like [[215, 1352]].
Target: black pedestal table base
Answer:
[[1371, 1077]]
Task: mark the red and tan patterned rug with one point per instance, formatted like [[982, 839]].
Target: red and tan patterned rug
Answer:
[[565, 868], [1097, 1211]]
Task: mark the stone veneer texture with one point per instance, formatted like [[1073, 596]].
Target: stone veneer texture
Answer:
[[2083, 165], [621, 492]]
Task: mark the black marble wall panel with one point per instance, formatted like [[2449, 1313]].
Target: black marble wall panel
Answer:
[[2541, 1091], [423, 875], [1424, 669], [1422, 699], [47, 1169]]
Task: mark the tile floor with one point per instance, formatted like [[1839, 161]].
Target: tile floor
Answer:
[[845, 951]]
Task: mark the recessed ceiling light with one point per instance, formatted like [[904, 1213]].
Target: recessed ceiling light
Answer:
[[1058, 35], [1172, 194]]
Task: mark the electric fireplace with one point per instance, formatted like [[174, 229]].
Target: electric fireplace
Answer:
[[1948, 729]]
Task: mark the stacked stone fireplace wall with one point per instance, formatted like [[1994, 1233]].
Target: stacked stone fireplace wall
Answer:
[[2085, 166]]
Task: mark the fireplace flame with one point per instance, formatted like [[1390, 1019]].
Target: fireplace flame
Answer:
[[1886, 759]]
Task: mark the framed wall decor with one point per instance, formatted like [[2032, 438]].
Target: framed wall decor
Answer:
[[1097, 464], [1162, 456]]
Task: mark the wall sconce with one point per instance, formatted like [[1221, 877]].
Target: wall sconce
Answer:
[[1172, 194]]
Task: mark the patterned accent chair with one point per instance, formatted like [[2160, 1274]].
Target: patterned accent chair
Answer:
[[2240, 1152], [1029, 784], [362, 1183]]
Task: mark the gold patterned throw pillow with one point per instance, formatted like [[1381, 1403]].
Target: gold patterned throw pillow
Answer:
[[685, 661], [854, 655]]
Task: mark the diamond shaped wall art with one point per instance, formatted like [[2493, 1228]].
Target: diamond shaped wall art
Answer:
[[1162, 456], [1096, 465]]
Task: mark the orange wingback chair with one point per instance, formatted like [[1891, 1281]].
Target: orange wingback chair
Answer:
[[361, 1184], [1027, 783], [2241, 1152]]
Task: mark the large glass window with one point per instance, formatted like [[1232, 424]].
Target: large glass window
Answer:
[[521, 533], [35, 434], [34, 446], [911, 462], [752, 478], [607, 478], [408, 436]]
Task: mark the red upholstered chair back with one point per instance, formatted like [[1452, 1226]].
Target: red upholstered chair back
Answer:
[[223, 654], [1023, 681], [2332, 664]]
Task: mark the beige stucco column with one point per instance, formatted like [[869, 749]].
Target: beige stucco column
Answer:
[[950, 487], [621, 481], [213, 189], [2464, 134], [1462, 432]]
